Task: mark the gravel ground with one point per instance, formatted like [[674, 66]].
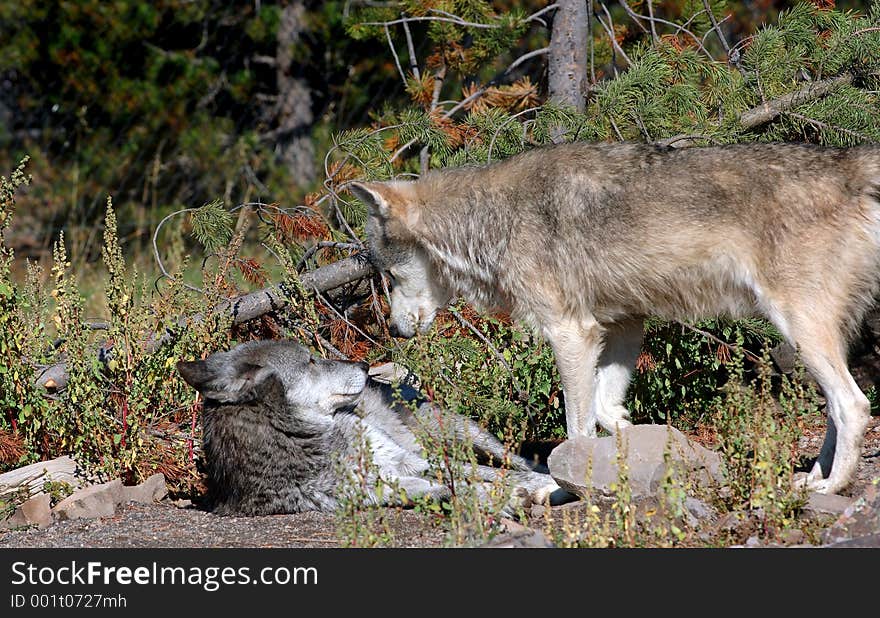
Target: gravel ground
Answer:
[[167, 525]]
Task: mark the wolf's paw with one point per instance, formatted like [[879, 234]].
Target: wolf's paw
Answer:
[[614, 418], [815, 483], [520, 500], [542, 494]]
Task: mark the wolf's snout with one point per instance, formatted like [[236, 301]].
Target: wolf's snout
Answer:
[[395, 331]]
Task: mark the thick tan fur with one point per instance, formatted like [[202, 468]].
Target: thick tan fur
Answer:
[[584, 240]]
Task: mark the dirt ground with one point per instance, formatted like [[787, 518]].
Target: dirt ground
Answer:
[[168, 525]]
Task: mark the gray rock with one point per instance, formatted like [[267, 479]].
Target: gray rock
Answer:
[[38, 510], [645, 445], [827, 504], [699, 512], [792, 536], [870, 540], [732, 520], [753, 541], [95, 501], [860, 519], [529, 538], [785, 357], [16, 520], [101, 500], [151, 490]]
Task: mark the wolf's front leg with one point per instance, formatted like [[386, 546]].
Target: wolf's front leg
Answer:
[[577, 345], [623, 342], [415, 487]]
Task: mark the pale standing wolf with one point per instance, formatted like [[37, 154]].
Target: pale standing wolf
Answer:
[[277, 421], [584, 240]]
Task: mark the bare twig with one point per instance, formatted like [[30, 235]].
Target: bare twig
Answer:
[[504, 124], [401, 150], [616, 130], [651, 21], [340, 217], [159, 262], [536, 16], [478, 93], [678, 27], [324, 244], [413, 64], [452, 20], [523, 396], [528, 56], [609, 30], [684, 141], [828, 127], [345, 319], [635, 16], [717, 27], [394, 53], [864, 30], [424, 155], [729, 346]]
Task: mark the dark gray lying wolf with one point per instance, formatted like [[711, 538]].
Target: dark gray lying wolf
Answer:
[[277, 421], [583, 241]]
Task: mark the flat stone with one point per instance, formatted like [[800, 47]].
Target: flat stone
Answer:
[[785, 357], [753, 541], [870, 540], [859, 519], [90, 502], [792, 536], [151, 490], [529, 538], [827, 504], [700, 513], [16, 520], [583, 463], [37, 511]]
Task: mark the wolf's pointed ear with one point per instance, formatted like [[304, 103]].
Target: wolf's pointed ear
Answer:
[[195, 373], [222, 381], [388, 200], [372, 196]]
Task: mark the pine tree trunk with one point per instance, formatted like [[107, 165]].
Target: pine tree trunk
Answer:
[[568, 83], [294, 110]]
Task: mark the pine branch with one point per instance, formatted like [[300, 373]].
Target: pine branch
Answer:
[[768, 111]]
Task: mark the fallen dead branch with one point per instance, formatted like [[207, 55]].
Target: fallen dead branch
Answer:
[[244, 308]]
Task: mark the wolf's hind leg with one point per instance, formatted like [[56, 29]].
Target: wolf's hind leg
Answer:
[[540, 488], [623, 342], [823, 352], [576, 345], [488, 448], [415, 487]]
